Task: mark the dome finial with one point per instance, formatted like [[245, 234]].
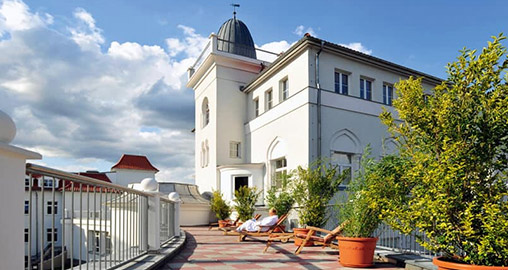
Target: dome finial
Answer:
[[234, 9]]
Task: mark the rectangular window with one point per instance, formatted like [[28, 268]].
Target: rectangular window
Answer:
[[26, 235], [284, 89], [280, 172], [241, 181], [256, 106], [27, 182], [387, 94], [48, 183], [234, 149], [365, 89], [101, 242], [268, 100], [52, 207], [345, 165], [51, 236], [27, 207], [341, 83]]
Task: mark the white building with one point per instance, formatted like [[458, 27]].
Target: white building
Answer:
[[256, 119], [85, 213]]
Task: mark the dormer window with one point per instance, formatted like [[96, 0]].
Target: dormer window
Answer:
[[205, 113]]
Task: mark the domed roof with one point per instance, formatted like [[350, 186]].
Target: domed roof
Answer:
[[234, 37]]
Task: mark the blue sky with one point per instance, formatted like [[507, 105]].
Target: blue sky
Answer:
[[86, 81]]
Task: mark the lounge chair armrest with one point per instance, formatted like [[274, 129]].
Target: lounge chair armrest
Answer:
[[316, 229]]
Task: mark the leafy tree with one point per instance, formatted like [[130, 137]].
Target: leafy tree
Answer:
[[245, 202], [313, 188], [454, 143], [219, 206]]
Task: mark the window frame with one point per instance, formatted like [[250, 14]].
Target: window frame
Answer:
[[340, 85], [366, 92], [341, 167], [256, 107], [51, 206], [284, 89], [51, 235], [276, 170], [268, 99], [387, 94], [235, 149], [205, 113]]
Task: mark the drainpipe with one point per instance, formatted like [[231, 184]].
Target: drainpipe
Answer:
[[318, 86]]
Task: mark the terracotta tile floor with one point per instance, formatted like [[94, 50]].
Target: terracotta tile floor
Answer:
[[211, 250]]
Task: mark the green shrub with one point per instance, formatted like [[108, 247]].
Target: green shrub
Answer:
[[313, 187], [455, 143], [245, 202], [282, 199], [219, 206], [366, 196]]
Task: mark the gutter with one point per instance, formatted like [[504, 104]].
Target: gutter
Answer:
[[318, 86]]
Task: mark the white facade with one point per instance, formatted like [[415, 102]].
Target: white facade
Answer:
[[290, 113]]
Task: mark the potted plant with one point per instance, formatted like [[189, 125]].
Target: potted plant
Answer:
[[360, 213], [221, 208], [313, 188], [245, 202], [281, 198], [455, 144]]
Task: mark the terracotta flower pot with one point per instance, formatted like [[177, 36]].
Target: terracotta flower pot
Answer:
[[443, 264], [223, 223], [298, 241], [356, 252]]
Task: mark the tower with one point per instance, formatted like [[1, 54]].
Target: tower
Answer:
[[227, 64]]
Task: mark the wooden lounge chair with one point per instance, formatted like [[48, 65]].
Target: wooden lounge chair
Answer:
[[324, 241], [233, 226], [266, 230]]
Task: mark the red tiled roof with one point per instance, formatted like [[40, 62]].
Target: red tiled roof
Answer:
[[96, 175], [133, 162]]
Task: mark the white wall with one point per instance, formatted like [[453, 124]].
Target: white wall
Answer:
[[125, 177]]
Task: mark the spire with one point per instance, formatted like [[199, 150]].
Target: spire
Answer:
[[234, 9]]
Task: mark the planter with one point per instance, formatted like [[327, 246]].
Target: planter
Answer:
[[298, 241], [443, 264], [223, 223], [356, 252]]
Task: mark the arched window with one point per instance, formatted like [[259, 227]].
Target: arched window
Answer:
[[205, 113]]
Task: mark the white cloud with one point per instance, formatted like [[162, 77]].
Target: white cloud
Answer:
[[71, 100], [275, 47], [357, 46], [86, 34], [300, 31], [16, 16]]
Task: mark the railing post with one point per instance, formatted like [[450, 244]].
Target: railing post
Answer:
[[154, 228], [213, 37], [12, 196], [173, 196]]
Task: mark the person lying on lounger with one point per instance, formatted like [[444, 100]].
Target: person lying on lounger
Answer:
[[252, 225]]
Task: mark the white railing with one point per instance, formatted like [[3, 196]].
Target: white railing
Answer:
[[91, 224]]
